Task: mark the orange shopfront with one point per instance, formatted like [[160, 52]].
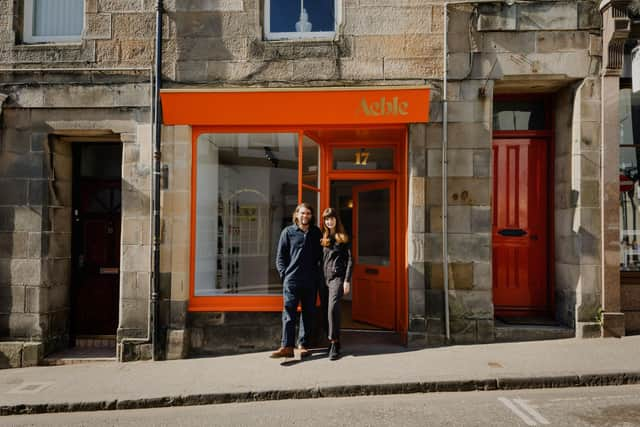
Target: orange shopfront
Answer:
[[257, 153]]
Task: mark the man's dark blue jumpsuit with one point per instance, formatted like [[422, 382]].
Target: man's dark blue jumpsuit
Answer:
[[297, 262]]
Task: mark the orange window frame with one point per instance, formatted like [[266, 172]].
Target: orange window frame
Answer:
[[273, 303]]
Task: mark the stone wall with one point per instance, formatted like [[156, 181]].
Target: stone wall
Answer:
[[35, 205], [539, 47], [578, 287], [221, 43], [117, 34]]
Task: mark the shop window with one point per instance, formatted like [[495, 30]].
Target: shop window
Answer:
[[246, 192], [513, 115], [47, 21], [297, 19], [629, 111]]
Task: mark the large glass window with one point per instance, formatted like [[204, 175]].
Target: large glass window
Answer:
[[246, 192], [53, 20], [629, 111], [299, 19]]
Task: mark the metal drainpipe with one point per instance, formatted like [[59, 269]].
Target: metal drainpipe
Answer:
[[445, 142], [157, 119]]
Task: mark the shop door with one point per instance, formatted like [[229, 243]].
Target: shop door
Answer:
[[374, 254], [96, 233], [520, 226]]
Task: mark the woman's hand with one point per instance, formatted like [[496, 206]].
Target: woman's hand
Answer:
[[346, 286]]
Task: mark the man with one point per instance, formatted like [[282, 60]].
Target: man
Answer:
[[298, 259]]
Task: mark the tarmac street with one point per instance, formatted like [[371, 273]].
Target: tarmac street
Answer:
[[365, 369], [584, 406]]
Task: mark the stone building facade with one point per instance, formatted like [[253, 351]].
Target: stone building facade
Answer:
[[99, 89]]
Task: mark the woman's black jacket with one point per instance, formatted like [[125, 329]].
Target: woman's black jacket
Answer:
[[336, 261]]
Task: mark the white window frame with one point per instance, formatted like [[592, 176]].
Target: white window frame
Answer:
[[293, 35], [28, 37]]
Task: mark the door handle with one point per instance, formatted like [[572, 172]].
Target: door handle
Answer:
[[371, 270], [512, 232]]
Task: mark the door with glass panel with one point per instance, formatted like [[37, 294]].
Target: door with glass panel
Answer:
[[374, 254]]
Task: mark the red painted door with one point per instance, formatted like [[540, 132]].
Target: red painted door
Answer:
[[97, 221], [520, 226], [374, 254]]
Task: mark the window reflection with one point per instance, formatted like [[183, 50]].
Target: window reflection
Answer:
[[246, 192]]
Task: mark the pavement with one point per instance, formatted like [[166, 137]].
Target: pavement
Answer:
[[367, 367]]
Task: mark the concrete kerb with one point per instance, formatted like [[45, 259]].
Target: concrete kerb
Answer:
[[587, 380]]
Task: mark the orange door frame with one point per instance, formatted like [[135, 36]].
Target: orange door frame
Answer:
[[398, 175]]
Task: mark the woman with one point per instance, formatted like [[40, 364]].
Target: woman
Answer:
[[336, 266]]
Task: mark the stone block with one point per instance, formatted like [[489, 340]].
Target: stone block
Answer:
[[10, 355], [13, 245], [32, 353], [417, 222], [460, 276], [22, 272], [435, 219], [548, 16], [521, 42], [469, 247], [589, 16], [417, 191], [136, 258], [486, 331], [482, 163], [471, 305], [416, 302], [469, 111], [416, 247], [589, 194], [119, 5], [97, 26], [136, 52], [459, 219], [314, 69], [433, 247], [212, 48], [435, 306], [197, 24], [12, 298], [21, 326], [384, 20], [460, 162], [480, 219], [133, 26], [177, 340], [469, 191], [482, 278], [561, 41], [588, 330], [133, 313], [27, 165], [412, 68], [465, 135], [613, 324], [497, 17], [434, 163], [417, 275], [435, 277], [15, 141]]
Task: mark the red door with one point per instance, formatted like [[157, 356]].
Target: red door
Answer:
[[520, 226], [374, 254], [97, 223]]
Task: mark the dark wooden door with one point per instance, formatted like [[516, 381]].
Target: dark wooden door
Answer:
[[520, 226], [96, 220]]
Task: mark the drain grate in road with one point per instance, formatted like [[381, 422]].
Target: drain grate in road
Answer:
[[29, 388]]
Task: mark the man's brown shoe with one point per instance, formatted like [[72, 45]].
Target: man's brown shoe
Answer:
[[304, 352], [282, 352]]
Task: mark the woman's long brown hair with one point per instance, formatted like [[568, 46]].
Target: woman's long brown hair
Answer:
[[340, 235]]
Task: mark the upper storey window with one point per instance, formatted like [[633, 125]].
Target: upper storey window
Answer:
[[53, 21], [300, 19]]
